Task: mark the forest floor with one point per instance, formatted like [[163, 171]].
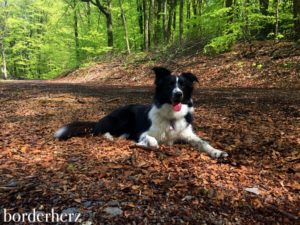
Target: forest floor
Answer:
[[259, 128], [259, 65], [255, 120]]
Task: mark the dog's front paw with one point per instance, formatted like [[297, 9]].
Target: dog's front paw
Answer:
[[218, 154], [148, 141]]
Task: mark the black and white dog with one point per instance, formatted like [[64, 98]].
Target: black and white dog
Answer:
[[167, 120]]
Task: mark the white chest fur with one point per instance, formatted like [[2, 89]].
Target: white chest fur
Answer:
[[167, 125]]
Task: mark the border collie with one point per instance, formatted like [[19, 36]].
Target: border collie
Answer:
[[168, 120]]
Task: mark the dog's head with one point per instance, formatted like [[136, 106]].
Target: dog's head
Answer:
[[173, 89]]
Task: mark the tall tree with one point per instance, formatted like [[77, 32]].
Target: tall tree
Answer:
[[73, 5], [150, 21], [89, 14], [76, 33], [267, 28], [181, 20], [228, 4], [263, 5], [105, 9], [164, 19], [172, 4], [2, 35], [146, 25], [140, 15], [188, 12], [157, 29], [296, 11], [195, 7], [276, 18], [125, 25], [174, 16]]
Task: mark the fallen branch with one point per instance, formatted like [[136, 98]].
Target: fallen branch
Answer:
[[7, 188], [293, 160], [287, 214], [112, 100]]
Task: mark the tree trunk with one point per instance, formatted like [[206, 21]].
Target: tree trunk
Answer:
[[157, 29], [125, 26], [4, 68], [194, 5], [246, 20], [228, 4], [106, 10], [174, 16], [146, 24], [89, 14], [296, 9], [195, 8], [277, 19], [140, 18], [109, 25], [150, 22], [170, 19], [181, 20], [264, 5], [76, 34], [164, 18], [267, 27], [200, 3], [2, 47], [188, 13]]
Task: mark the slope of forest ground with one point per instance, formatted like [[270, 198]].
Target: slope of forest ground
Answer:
[[261, 64]]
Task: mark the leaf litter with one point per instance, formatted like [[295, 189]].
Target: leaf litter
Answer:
[[116, 182]]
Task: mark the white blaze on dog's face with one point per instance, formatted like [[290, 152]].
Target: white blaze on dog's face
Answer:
[[173, 90], [177, 96]]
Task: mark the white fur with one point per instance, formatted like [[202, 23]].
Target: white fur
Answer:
[[161, 127], [60, 132], [108, 136], [125, 136], [148, 141], [176, 89], [166, 112], [168, 126], [189, 136]]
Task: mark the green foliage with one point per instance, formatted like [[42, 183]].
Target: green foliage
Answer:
[[40, 42], [224, 42]]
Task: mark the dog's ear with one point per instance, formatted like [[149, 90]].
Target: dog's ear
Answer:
[[160, 72], [190, 77]]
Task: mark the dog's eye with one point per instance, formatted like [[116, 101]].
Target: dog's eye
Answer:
[[172, 83], [181, 82]]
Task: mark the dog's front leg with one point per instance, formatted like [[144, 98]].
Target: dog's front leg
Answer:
[[189, 136]]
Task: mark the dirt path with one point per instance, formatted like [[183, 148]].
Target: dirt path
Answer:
[[173, 185]]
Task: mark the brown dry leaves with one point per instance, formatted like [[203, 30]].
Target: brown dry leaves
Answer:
[[177, 184]]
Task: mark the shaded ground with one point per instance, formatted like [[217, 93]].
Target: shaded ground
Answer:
[[259, 128]]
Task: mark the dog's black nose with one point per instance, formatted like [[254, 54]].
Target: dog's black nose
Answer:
[[178, 94]]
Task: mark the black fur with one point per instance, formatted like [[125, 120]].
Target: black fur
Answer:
[[133, 120]]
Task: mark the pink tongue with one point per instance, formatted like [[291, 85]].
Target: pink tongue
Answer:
[[177, 107]]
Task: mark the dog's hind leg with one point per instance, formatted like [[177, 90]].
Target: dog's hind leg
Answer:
[[189, 136], [108, 127]]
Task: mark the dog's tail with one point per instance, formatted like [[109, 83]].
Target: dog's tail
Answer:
[[75, 129]]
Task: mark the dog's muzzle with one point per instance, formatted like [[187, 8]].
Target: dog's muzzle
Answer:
[[177, 96]]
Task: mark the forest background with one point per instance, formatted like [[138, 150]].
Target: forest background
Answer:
[[42, 39]]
